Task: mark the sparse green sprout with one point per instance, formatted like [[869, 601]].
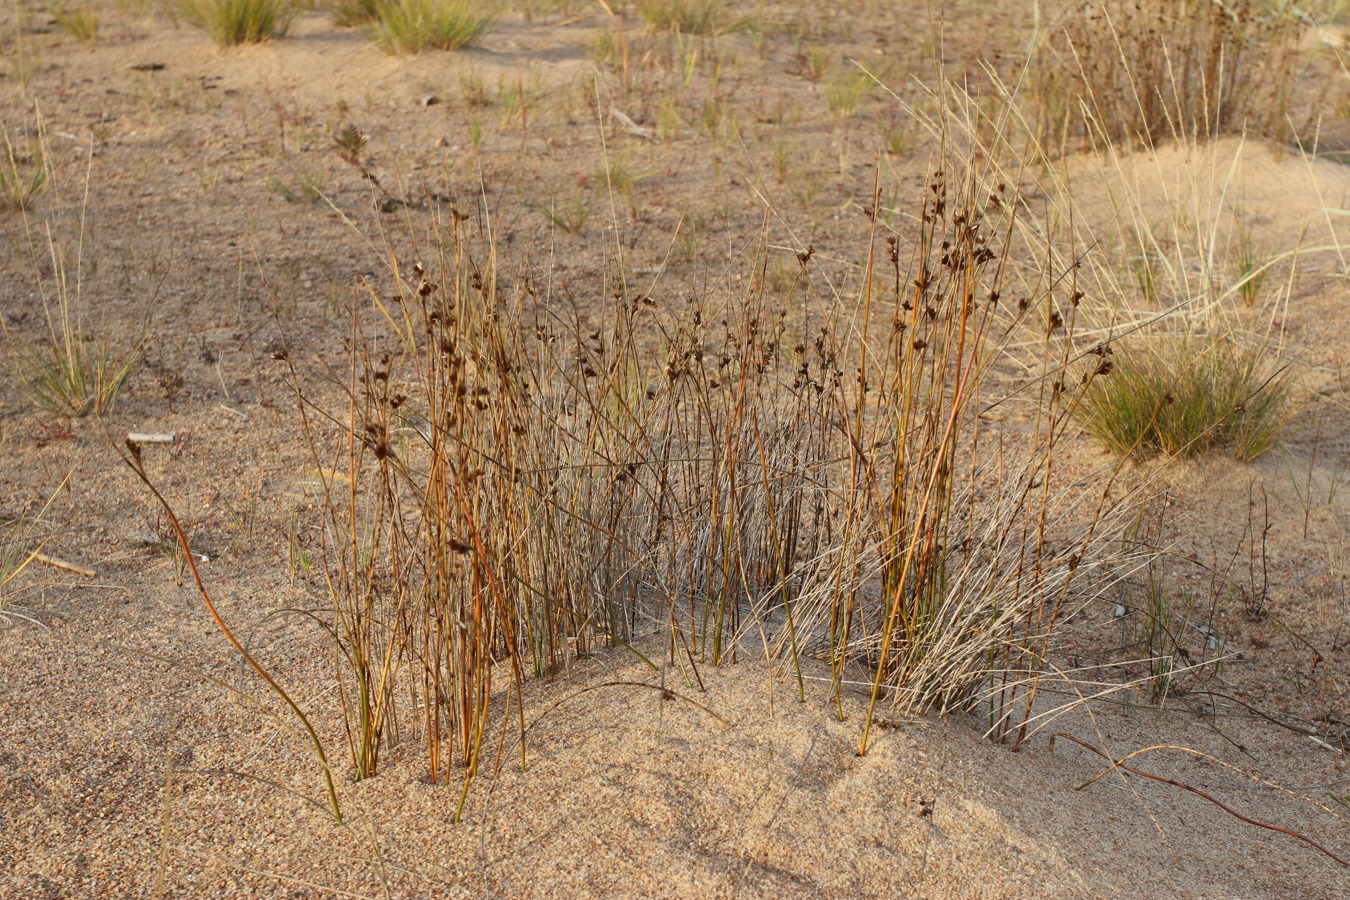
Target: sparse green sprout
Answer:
[[511, 101], [1144, 266], [234, 22], [1251, 264], [17, 549], [818, 62], [313, 183], [607, 48], [278, 187], [782, 159], [24, 174], [898, 141], [619, 174], [668, 119], [685, 16], [411, 26], [80, 22], [714, 113], [301, 561], [19, 545], [309, 188], [570, 214], [845, 92]]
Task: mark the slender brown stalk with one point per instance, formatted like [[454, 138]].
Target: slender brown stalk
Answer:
[[133, 460]]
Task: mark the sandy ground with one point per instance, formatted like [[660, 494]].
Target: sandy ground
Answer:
[[138, 758]]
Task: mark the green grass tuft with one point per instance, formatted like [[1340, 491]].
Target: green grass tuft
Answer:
[[411, 26], [80, 22], [351, 13], [1182, 395], [845, 92], [234, 22], [79, 377], [685, 16]]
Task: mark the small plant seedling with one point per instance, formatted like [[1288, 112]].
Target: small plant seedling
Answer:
[[608, 49], [714, 113], [1250, 264], [685, 16], [818, 62], [668, 119], [898, 140], [24, 174], [80, 21], [474, 91], [845, 92], [620, 176], [20, 545], [687, 51], [1144, 267], [351, 144], [301, 562], [313, 183], [308, 189], [782, 159], [570, 214], [170, 547]]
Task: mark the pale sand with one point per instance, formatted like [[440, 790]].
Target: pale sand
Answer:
[[627, 795], [123, 776]]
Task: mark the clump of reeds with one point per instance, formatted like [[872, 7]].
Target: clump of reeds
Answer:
[[521, 485], [1143, 71]]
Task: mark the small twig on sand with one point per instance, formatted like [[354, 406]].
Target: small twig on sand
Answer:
[[1120, 764], [62, 564]]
